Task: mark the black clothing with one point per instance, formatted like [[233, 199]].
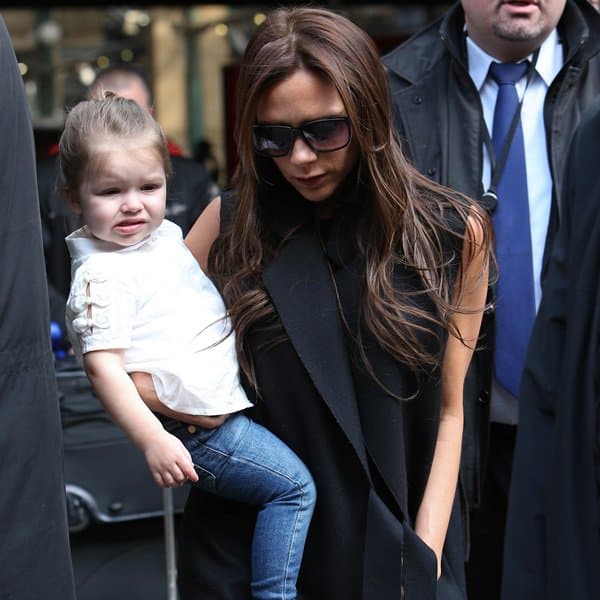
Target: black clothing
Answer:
[[553, 528], [486, 555], [439, 117], [189, 191], [438, 114], [35, 560], [369, 453]]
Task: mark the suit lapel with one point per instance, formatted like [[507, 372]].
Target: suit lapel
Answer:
[[299, 285]]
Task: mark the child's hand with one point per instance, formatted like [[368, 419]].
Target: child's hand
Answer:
[[169, 461]]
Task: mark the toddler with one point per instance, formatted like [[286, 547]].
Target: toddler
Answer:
[[139, 302]]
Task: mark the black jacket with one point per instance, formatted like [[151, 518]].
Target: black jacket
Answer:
[[552, 548], [370, 454], [438, 114], [34, 545]]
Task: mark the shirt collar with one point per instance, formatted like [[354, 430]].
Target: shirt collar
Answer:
[[81, 243], [549, 62]]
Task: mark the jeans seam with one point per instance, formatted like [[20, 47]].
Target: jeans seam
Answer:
[[266, 468], [293, 538], [302, 491]]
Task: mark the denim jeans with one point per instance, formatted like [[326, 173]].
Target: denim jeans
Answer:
[[243, 461]]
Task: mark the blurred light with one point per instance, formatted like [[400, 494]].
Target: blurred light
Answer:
[[143, 19], [86, 74], [133, 20], [103, 61], [127, 55], [221, 29], [130, 28], [48, 32], [31, 88], [23, 68], [259, 18]]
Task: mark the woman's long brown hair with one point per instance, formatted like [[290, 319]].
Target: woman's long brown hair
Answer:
[[407, 219]]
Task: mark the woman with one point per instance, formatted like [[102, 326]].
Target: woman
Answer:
[[356, 289]]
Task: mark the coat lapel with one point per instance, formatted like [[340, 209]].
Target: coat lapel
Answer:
[[382, 418], [299, 285]]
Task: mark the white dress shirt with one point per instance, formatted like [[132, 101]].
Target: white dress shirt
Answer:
[[504, 406]]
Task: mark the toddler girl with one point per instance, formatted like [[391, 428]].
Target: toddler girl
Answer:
[[139, 302]]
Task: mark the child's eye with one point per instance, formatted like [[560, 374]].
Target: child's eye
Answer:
[[108, 192], [150, 187]]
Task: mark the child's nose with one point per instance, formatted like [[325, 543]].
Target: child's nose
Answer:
[[131, 203]]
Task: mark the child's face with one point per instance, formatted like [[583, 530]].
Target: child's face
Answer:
[[122, 199]]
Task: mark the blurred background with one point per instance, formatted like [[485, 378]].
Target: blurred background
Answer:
[[189, 51]]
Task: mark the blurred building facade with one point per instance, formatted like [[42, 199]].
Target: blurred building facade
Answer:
[[189, 52]]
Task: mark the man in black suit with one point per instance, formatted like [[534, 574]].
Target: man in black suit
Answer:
[[552, 548], [190, 188], [34, 544]]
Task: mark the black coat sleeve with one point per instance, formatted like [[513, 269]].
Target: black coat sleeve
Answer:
[[552, 545], [34, 551]]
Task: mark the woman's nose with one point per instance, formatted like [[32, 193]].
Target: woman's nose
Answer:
[[301, 152]]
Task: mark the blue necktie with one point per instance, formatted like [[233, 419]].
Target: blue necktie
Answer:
[[515, 302]]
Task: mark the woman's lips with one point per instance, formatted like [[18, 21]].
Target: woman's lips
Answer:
[[312, 182]]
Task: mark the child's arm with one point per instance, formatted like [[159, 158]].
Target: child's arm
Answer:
[[169, 461]]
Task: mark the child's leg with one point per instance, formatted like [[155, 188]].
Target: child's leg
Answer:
[[252, 465]]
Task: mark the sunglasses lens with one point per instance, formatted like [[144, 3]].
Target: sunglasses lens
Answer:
[[272, 140], [326, 135], [322, 135]]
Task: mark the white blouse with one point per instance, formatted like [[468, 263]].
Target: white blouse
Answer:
[[153, 301]]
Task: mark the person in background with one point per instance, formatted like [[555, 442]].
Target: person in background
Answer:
[[203, 153], [139, 302], [190, 188], [34, 540], [486, 101], [552, 547], [356, 288]]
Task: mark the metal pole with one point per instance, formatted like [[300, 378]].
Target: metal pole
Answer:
[[167, 494], [195, 129]]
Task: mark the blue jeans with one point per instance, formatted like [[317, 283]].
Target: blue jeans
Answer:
[[243, 461]]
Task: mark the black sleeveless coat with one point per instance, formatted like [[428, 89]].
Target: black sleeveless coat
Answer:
[[369, 453]]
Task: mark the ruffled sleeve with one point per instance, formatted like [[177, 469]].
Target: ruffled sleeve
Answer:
[[100, 310]]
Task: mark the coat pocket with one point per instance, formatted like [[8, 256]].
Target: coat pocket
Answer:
[[419, 568]]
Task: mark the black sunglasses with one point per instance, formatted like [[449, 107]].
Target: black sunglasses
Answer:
[[321, 135]]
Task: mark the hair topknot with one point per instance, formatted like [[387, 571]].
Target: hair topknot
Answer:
[[106, 116]]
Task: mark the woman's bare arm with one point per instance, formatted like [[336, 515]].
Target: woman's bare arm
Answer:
[[433, 515], [145, 387], [204, 232]]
